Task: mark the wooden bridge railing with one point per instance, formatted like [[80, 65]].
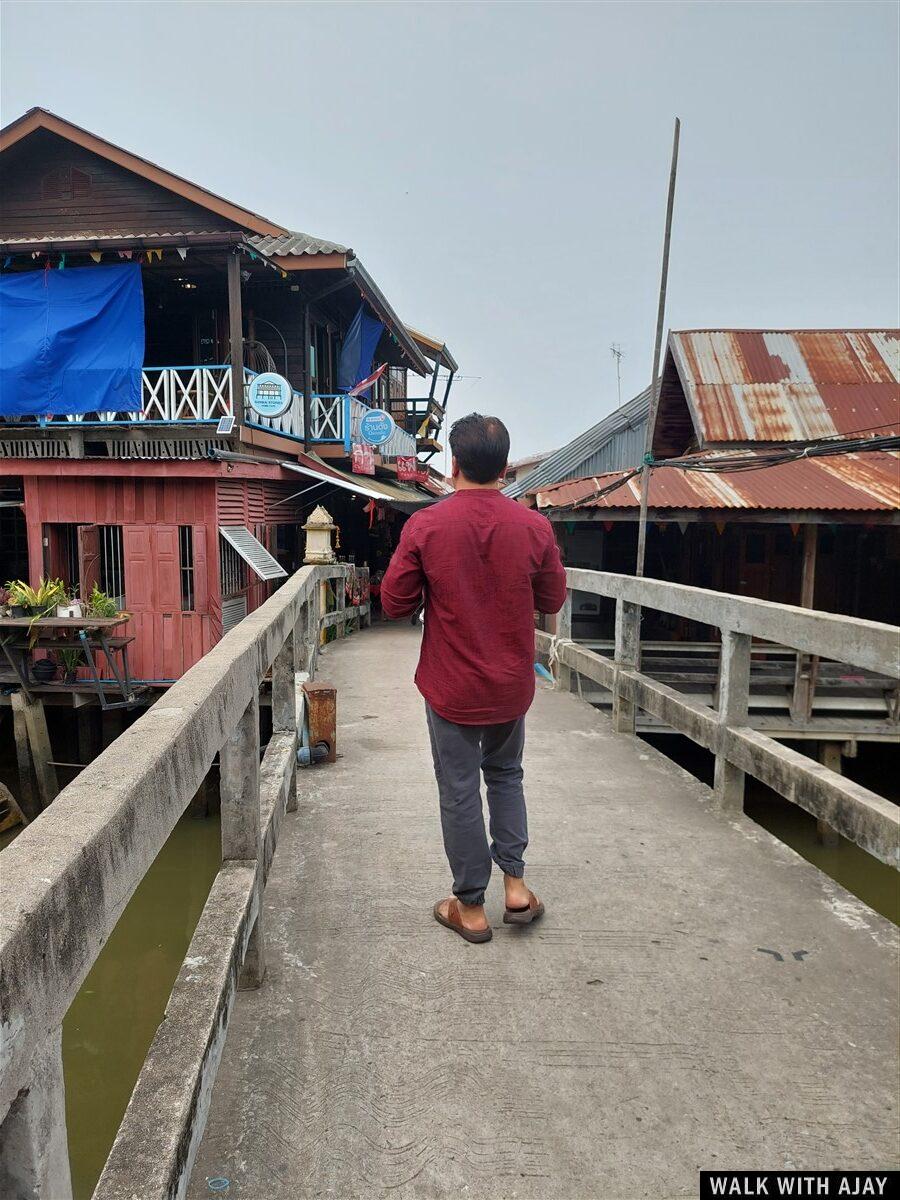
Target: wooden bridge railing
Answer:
[[861, 815], [66, 879]]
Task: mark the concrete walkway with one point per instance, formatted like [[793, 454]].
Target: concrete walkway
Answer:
[[636, 1035]]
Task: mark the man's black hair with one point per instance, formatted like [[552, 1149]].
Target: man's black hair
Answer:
[[480, 446]]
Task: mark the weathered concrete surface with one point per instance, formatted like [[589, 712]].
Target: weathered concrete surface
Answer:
[[635, 1036]]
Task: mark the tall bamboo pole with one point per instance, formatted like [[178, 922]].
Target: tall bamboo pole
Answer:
[[657, 351]]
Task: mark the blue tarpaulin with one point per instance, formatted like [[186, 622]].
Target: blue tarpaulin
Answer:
[[358, 350], [71, 341]]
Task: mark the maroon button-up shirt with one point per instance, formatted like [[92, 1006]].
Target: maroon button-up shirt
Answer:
[[483, 564]]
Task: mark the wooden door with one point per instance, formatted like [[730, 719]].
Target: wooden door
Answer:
[[88, 559], [756, 560]]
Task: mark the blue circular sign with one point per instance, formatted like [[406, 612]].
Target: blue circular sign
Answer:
[[270, 395], [376, 426]]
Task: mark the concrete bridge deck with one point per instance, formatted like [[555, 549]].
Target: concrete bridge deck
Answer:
[[645, 1030]]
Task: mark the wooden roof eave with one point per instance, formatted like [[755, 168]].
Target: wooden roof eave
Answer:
[[224, 239]]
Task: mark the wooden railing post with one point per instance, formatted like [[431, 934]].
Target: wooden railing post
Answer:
[[239, 792], [734, 698], [340, 598], [284, 705], [627, 650], [34, 1152], [564, 630]]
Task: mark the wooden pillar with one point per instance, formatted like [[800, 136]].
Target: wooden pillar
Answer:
[[564, 630], [830, 757], [239, 792], [34, 1153], [307, 382], [734, 699], [627, 656], [807, 668], [236, 336]]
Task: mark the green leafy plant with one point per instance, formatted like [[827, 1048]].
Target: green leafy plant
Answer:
[[41, 600], [101, 605], [71, 659]]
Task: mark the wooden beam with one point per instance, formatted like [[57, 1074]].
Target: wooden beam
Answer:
[[236, 337]]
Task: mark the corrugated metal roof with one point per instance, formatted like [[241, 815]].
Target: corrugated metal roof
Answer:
[[783, 385], [109, 235], [868, 482], [570, 458], [296, 243]]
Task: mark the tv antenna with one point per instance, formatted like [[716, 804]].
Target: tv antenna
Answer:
[[618, 354]]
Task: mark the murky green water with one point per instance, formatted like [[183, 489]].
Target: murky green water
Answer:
[[873, 882], [109, 1027]]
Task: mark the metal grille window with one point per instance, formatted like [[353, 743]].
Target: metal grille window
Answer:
[[232, 572], [112, 563], [186, 561]]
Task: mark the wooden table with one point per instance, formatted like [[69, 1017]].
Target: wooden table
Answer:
[[21, 636]]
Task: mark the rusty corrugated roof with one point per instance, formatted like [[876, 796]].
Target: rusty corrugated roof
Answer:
[[868, 482], [765, 386]]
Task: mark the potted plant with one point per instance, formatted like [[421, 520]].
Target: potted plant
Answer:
[[101, 605], [4, 601], [19, 594], [71, 659], [69, 605]]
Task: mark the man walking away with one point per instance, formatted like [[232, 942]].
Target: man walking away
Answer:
[[483, 564]]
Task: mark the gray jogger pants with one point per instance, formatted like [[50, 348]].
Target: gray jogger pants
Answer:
[[461, 754]]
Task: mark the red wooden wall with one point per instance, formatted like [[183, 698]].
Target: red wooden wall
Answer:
[[150, 510]]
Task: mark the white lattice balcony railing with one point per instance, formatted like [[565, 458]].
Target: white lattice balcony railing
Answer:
[[203, 394]]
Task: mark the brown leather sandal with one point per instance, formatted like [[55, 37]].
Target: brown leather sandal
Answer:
[[454, 921], [524, 916]]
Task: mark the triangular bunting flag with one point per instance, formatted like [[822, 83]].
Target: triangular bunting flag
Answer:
[[96, 255], [182, 252]]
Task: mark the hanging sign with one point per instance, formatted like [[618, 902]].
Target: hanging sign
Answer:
[[408, 469], [269, 395], [376, 427], [362, 460]]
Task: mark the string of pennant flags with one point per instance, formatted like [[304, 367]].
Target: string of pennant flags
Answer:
[[145, 257]]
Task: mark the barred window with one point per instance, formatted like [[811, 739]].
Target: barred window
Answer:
[[186, 562], [112, 563], [232, 570]]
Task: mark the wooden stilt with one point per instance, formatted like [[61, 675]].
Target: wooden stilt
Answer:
[[41, 752], [23, 758]]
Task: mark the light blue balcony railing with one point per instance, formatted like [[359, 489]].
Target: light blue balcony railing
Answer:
[[200, 395]]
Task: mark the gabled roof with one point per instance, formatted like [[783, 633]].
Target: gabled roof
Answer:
[[744, 387], [566, 461], [40, 118]]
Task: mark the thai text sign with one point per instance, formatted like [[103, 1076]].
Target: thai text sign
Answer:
[[362, 459], [376, 427]]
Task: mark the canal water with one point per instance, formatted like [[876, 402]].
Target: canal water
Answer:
[[112, 1021], [873, 882]]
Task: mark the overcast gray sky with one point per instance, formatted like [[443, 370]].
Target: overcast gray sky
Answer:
[[501, 168]]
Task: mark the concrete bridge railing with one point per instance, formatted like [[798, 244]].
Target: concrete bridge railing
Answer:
[[66, 879], [861, 815]]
